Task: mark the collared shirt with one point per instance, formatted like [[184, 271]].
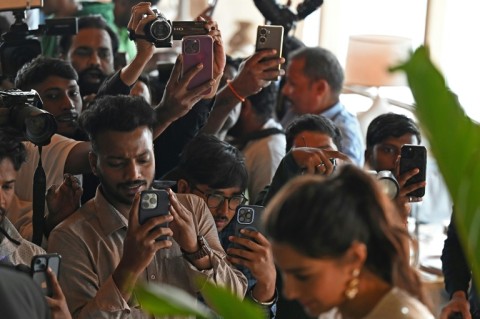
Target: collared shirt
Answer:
[[11, 252], [91, 244], [352, 138]]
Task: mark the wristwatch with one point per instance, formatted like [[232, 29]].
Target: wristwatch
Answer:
[[200, 253]]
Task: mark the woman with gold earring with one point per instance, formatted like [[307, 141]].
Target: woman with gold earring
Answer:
[[342, 249]]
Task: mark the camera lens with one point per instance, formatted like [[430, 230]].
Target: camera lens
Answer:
[[160, 29], [263, 31], [262, 39], [241, 219]]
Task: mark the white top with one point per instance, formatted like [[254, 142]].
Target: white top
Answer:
[[54, 156], [262, 157], [396, 304]]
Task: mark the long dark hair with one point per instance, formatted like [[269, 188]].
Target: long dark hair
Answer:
[[322, 217]]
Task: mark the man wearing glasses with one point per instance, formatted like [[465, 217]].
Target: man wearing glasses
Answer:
[[215, 171]]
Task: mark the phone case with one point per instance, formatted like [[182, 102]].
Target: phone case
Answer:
[[153, 203], [270, 37], [414, 156], [198, 49], [248, 217], [39, 266]]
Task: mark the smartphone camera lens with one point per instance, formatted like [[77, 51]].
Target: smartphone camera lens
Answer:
[[262, 39], [263, 31]]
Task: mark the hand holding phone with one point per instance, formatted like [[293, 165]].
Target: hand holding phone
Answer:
[[39, 266], [414, 156], [270, 37], [154, 203], [198, 49], [248, 217]]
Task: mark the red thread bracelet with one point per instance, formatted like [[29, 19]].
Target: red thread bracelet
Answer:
[[238, 96]]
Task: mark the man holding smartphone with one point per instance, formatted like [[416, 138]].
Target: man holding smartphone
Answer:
[[105, 251], [216, 171], [386, 135]]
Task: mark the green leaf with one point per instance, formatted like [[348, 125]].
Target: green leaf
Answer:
[[166, 300], [455, 141], [228, 305]]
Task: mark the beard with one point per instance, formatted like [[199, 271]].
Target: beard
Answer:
[[90, 80]]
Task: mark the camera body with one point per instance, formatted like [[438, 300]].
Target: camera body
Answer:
[[21, 45], [21, 111], [282, 15], [162, 31]]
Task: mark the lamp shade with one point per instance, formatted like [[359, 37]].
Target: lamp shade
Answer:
[[370, 56]]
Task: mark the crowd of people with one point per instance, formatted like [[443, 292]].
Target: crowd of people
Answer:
[[333, 244]]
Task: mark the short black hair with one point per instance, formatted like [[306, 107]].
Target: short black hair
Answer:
[[122, 113], [95, 21], [12, 148], [320, 64], [390, 125], [315, 123], [264, 102], [210, 161], [37, 70]]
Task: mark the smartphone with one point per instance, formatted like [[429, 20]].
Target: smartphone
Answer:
[[248, 217], [198, 49], [153, 203], [39, 266], [414, 156], [270, 37]]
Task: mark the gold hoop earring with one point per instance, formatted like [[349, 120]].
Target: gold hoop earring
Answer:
[[352, 286]]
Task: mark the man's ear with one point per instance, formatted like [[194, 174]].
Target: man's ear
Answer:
[[368, 157], [92, 159], [183, 187]]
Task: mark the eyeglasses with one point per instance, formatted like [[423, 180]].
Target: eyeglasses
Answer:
[[215, 200]]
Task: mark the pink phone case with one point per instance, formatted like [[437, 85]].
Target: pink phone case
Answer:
[[198, 49]]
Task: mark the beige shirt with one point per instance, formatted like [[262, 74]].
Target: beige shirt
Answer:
[[91, 244], [11, 252]]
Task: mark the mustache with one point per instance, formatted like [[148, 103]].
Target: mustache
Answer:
[[221, 218], [67, 116], [134, 183], [92, 71]]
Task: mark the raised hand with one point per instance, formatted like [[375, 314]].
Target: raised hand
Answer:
[[139, 247], [62, 201], [257, 257]]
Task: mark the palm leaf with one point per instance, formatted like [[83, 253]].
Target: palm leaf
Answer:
[[455, 143]]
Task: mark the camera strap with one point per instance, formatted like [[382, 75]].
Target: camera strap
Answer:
[[38, 204]]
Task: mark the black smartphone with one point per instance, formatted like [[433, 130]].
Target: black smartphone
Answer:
[[248, 217], [39, 266], [414, 156], [153, 203], [270, 37]]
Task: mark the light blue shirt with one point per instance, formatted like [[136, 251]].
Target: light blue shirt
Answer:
[[347, 123]]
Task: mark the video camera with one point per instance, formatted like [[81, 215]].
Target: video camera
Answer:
[[161, 31], [20, 45], [282, 15], [22, 112]]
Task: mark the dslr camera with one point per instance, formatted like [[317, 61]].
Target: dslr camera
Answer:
[[162, 31], [21, 111], [20, 45]]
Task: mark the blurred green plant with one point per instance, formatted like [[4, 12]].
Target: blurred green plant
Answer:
[[166, 300], [455, 142]]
